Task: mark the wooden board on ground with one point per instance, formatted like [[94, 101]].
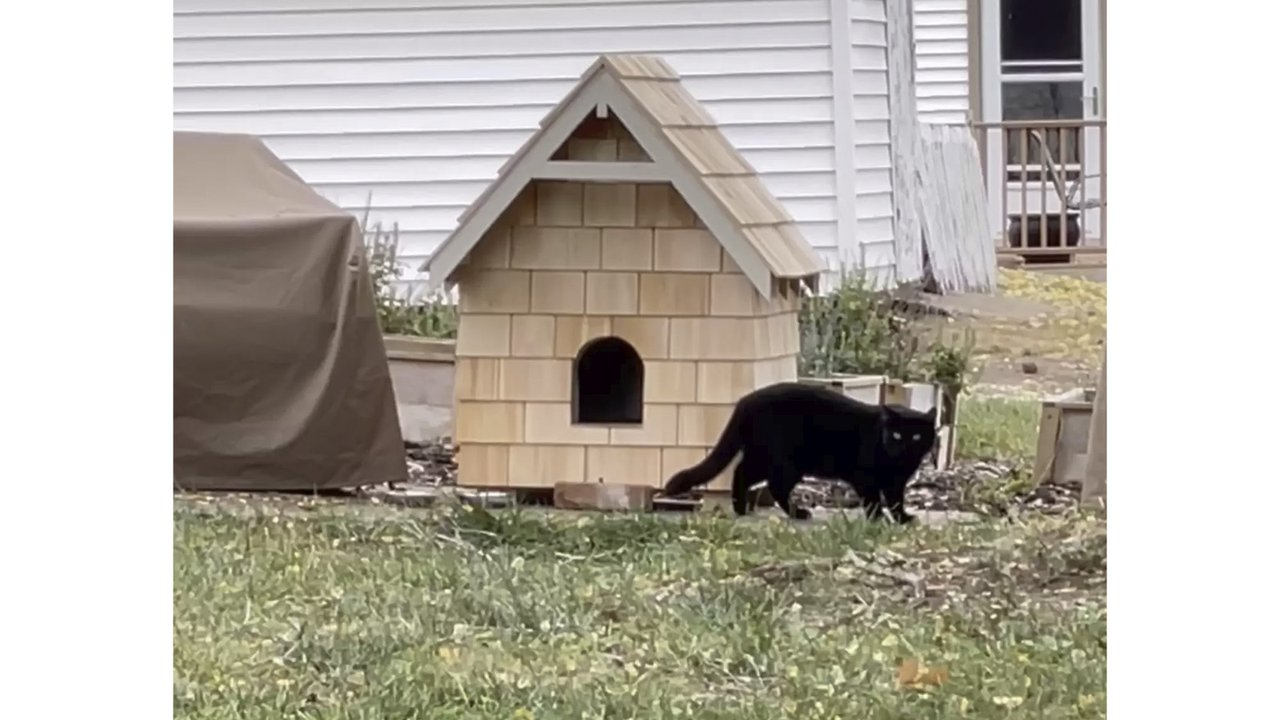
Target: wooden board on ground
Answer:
[[667, 504], [603, 496], [1062, 446]]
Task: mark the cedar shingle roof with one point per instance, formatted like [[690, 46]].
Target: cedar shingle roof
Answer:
[[675, 116]]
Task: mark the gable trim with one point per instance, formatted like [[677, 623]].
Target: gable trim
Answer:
[[511, 180]]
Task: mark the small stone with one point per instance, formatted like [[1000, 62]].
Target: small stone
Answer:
[[1029, 367]]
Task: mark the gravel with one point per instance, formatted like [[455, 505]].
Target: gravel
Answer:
[[431, 463]]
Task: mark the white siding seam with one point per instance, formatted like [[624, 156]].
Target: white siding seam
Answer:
[[845, 127]]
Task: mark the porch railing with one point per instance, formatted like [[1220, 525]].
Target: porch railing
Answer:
[[1049, 189]]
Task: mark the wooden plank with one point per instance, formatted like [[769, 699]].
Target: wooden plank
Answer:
[[747, 199], [668, 103], [604, 496], [953, 210], [640, 66], [1095, 468], [666, 504], [1047, 443], [595, 171], [708, 151]]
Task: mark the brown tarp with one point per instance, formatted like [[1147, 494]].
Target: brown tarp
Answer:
[[280, 379]]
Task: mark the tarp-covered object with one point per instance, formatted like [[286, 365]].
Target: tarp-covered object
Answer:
[[280, 378]]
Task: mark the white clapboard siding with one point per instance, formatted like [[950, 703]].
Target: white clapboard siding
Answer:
[[942, 60], [873, 184], [418, 102]]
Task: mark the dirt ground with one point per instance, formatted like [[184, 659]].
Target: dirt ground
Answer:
[[1039, 334]]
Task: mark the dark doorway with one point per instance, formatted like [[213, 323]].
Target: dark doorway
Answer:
[[608, 383]]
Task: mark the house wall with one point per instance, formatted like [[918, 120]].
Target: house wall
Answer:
[[413, 105], [570, 262], [941, 30], [873, 184]]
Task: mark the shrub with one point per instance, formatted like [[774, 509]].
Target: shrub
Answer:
[[859, 329], [853, 329], [432, 315]]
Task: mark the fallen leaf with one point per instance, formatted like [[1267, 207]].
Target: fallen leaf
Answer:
[[913, 675], [934, 677], [907, 672]]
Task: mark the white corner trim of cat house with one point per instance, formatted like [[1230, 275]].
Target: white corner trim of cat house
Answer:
[[624, 280]]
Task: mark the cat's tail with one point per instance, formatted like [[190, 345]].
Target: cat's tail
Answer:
[[725, 450]]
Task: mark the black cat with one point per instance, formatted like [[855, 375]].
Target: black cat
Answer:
[[788, 430]]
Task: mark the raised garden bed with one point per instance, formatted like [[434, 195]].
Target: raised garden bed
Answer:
[[422, 379]]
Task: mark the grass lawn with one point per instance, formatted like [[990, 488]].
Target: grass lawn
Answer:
[[997, 427], [451, 613]]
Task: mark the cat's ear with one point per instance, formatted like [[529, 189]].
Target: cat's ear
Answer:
[[933, 413]]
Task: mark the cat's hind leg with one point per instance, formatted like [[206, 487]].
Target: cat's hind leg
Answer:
[[744, 476], [782, 480]]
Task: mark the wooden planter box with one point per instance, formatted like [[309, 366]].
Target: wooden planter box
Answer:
[[1063, 444], [881, 390], [422, 379]]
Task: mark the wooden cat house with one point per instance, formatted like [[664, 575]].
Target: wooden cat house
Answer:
[[624, 280]]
